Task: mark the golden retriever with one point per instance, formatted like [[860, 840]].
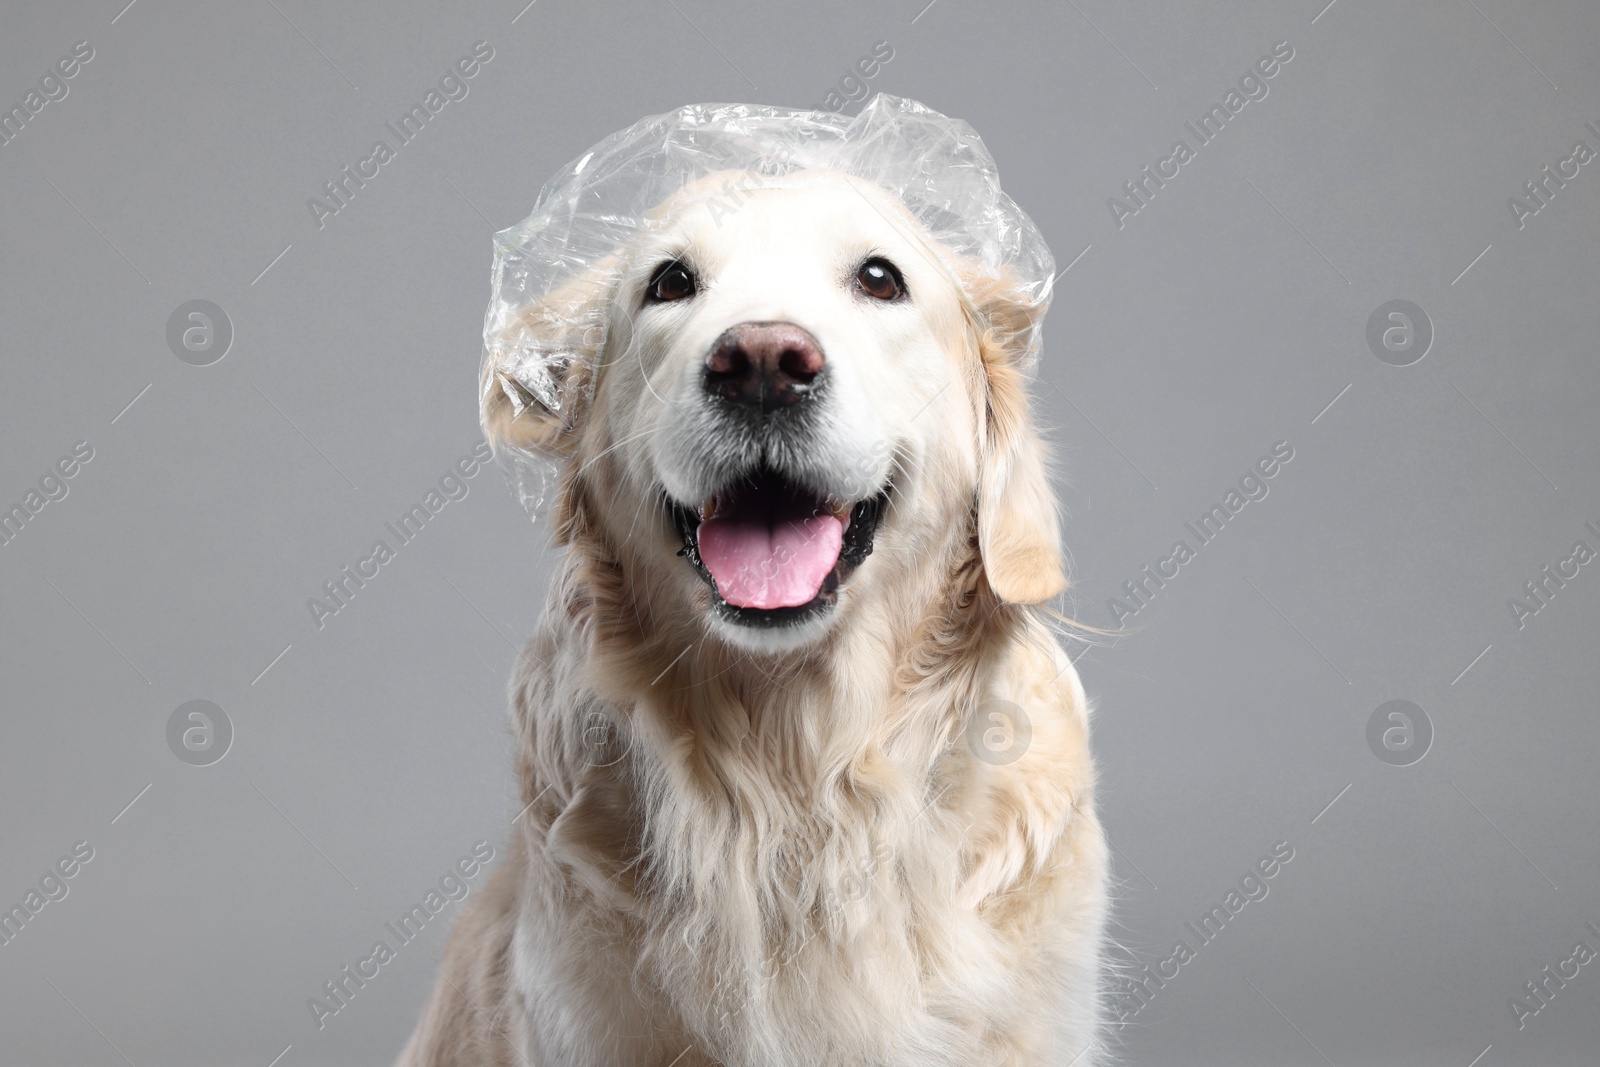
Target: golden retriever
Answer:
[[805, 773]]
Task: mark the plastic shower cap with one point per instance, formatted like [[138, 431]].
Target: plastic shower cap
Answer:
[[610, 196]]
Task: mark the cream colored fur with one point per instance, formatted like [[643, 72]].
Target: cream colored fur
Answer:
[[792, 854]]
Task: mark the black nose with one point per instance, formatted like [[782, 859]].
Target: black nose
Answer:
[[764, 366]]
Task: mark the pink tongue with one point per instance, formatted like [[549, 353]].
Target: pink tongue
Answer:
[[782, 565]]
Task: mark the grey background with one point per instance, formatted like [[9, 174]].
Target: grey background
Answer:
[[1224, 317]]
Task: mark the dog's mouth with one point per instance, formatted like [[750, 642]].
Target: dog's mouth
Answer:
[[774, 551]]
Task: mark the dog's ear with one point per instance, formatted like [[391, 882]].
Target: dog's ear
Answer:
[[1019, 534], [537, 382]]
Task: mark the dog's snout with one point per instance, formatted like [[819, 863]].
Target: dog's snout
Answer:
[[764, 365]]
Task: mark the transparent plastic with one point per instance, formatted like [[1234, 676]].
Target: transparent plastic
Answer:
[[600, 204]]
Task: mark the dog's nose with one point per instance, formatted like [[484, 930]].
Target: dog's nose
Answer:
[[764, 365]]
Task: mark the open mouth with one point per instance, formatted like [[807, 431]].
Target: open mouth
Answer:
[[775, 552]]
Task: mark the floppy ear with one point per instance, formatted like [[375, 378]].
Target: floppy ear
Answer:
[[538, 379], [1019, 535]]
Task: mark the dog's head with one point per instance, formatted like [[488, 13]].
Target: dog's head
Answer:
[[786, 399]]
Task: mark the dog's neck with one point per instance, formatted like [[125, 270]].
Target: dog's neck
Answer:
[[889, 681]]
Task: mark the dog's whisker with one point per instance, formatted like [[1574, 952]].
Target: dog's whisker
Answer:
[[669, 666], [634, 525], [644, 375], [613, 447]]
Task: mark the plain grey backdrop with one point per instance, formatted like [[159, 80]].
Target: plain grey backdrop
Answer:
[[1229, 313]]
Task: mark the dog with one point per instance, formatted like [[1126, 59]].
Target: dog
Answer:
[[804, 772]]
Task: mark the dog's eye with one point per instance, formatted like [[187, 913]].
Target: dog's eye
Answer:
[[880, 279], [671, 281]]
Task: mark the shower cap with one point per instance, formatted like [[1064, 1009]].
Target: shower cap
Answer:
[[609, 197]]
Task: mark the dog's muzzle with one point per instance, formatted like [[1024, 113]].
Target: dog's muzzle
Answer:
[[773, 545]]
